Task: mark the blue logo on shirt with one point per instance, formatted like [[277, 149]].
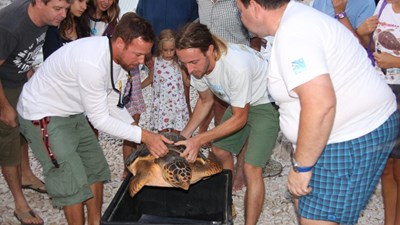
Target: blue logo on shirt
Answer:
[[298, 66]]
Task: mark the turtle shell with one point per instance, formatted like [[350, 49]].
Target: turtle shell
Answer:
[[171, 170]]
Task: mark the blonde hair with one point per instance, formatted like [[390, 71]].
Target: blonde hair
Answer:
[[165, 36]]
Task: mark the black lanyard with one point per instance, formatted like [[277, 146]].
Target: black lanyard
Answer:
[[122, 100]]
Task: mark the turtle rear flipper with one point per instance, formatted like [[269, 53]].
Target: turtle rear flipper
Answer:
[[201, 170], [136, 184]]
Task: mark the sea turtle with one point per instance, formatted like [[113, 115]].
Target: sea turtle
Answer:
[[172, 170]]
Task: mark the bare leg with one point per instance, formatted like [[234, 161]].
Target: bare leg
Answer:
[[224, 157], [396, 169], [28, 177], [12, 176], [74, 214], [389, 192], [238, 174], [94, 204], [238, 178], [304, 221], [255, 193]]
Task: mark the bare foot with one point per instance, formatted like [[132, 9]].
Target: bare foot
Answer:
[[238, 180], [33, 183], [28, 217]]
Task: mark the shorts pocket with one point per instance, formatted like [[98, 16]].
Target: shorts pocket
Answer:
[[61, 182], [337, 162]]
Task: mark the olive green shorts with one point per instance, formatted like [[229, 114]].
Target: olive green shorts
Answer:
[[261, 130], [10, 138], [78, 153]]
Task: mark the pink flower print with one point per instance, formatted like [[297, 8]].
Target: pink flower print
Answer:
[[166, 120]]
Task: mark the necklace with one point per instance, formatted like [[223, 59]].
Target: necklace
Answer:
[[93, 31]]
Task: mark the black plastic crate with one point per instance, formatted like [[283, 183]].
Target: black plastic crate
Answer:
[[208, 201]]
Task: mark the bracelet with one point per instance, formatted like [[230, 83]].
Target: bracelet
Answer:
[[340, 15], [297, 168]]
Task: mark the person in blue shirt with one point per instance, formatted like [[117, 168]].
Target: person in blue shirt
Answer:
[[351, 13], [167, 14]]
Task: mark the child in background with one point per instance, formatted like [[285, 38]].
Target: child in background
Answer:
[[170, 111], [135, 107]]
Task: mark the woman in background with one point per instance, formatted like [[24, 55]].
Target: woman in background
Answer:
[[103, 16], [74, 26]]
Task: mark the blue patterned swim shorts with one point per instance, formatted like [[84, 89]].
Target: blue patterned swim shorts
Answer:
[[346, 175]]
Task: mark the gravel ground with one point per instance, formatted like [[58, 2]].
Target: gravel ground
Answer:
[[278, 207]]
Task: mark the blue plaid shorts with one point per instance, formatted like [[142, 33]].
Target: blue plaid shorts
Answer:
[[346, 175]]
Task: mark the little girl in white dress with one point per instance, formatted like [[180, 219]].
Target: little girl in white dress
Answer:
[[169, 111]]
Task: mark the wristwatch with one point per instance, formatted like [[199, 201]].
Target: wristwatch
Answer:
[[297, 168], [340, 15]]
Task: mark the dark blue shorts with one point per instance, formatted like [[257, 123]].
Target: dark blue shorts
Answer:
[[346, 175]]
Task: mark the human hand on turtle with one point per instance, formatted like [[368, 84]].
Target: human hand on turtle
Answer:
[[156, 143], [192, 149]]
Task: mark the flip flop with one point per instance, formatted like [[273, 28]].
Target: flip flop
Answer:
[[25, 215], [273, 168], [37, 186]]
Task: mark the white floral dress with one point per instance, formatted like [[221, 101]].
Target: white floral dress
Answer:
[[169, 109]]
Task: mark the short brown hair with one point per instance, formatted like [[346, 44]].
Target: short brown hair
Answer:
[[267, 4], [33, 2], [132, 26]]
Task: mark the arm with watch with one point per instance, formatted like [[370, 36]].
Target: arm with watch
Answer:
[[318, 108], [341, 15]]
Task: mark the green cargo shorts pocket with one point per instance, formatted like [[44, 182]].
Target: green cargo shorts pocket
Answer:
[[61, 182]]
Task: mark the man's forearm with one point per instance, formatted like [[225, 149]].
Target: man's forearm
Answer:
[[314, 132], [200, 112]]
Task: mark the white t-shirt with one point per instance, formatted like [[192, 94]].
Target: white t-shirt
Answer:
[[386, 38], [97, 28], [308, 44], [76, 79], [238, 78]]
